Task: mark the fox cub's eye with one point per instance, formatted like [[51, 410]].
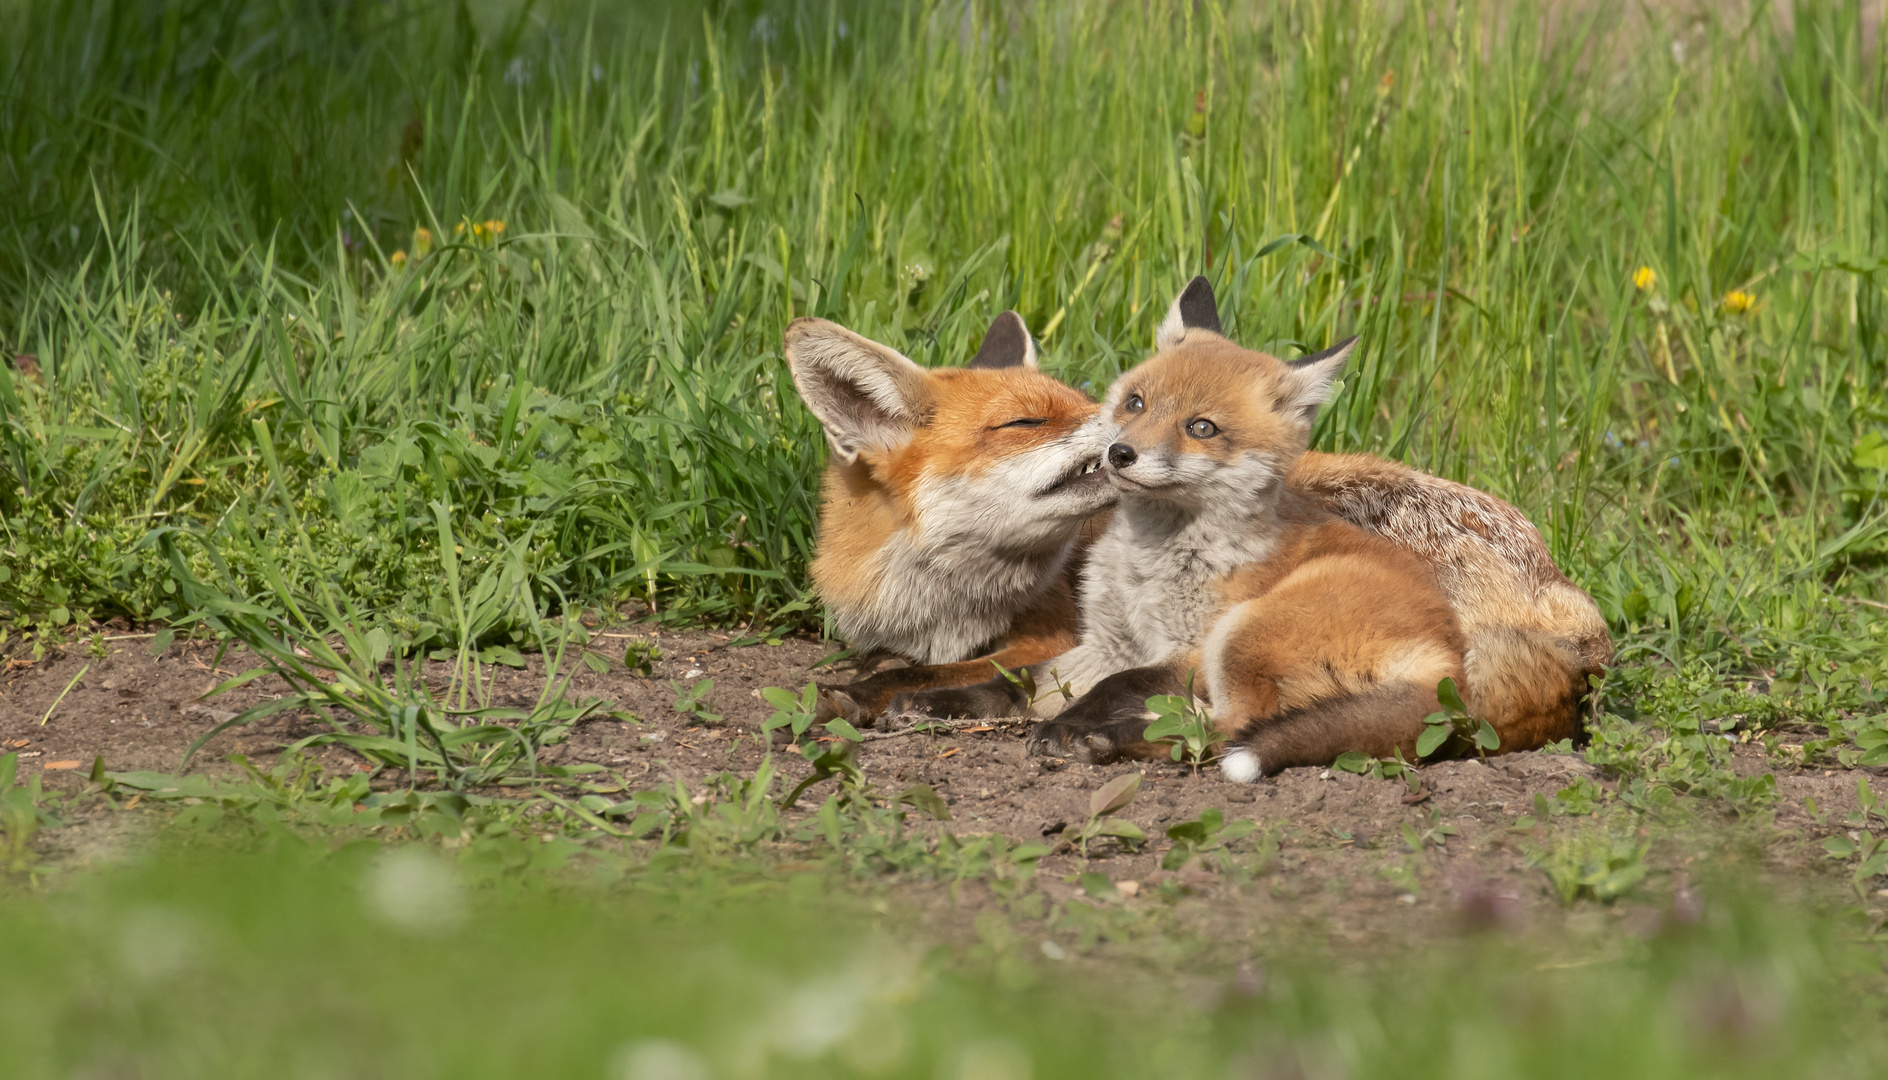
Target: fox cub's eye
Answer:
[[1133, 404], [1202, 429], [1026, 421]]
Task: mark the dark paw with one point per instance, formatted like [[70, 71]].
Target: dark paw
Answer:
[[1096, 743], [955, 703], [835, 703]]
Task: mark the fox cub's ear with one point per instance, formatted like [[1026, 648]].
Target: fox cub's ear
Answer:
[[867, 396], [1193, 309], [1006, 344], [1308, 379]]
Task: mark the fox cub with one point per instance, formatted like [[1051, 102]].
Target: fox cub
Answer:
[[1311, 636]]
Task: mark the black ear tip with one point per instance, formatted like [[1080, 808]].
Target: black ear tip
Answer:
[[1325, 354], [1198, 309], [1005, 344]]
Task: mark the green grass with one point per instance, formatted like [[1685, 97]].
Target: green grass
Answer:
[[296, 961], [204, 200], [296, 924]]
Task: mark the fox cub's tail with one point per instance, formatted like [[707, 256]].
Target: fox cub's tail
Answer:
[[1528, 684]]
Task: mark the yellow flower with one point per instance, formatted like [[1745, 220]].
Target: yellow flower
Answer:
[[1738, 302], [482, 230], [1644, 278], [422, 241], [398, 259]]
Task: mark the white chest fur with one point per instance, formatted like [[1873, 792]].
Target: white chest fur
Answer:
[[1151, 584], [940, 604]]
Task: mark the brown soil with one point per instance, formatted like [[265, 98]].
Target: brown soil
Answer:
[[1343, 856]]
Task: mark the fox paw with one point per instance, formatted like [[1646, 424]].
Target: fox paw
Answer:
[[1087, 742], [836, 704], [954, 703]]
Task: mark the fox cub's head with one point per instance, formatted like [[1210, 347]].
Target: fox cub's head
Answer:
[[1205, 421], [994, 447]]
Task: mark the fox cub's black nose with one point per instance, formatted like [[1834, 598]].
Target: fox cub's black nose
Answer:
[[1121, 455]]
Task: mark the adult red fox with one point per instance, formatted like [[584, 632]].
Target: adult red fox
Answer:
[[955, 503], [961, 503]]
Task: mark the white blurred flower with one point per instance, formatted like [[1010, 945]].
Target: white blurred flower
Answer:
[[415, 890], [156, 943], [817, 1015], [997, 1059], [877, 1045], [659, 1059]]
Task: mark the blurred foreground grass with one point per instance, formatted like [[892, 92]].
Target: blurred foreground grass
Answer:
[[295, 960]]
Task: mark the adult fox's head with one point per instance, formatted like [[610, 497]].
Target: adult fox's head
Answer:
[[976, 479], [1204, 422], [995, 448]]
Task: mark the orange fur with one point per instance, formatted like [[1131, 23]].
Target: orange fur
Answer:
[[1533, 638], [1292, 615], [870, 499], [1334, 614]]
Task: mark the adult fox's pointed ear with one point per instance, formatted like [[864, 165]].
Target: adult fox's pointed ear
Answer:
[[1308, 379], [867, 396], [1006, 344], [1193, 309]]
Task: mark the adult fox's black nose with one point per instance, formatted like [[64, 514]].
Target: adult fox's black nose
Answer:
[[1121, 455]]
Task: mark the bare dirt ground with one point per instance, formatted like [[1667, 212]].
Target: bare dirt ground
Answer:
[[1342, 862]]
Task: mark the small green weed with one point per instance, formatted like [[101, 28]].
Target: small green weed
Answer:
[[729, 813], [798, 713], [1025, 682], [1672, 746], [1866, 842], [1434, 833], [640, 656], [22, 815], [1006, 866], [1180, 717], [1600, 863], [693, 701], [1578, 799], [1453, 724], [1114, 795], [1390, 768], [833, 755], [1209, 838]]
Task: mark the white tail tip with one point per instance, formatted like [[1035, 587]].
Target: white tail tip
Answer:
[[1241, 766]]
